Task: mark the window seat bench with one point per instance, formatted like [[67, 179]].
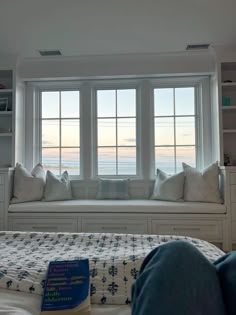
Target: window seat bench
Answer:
[[207, 221], [118, 206]]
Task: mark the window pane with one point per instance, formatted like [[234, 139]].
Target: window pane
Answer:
[[165, 159], [106, 103], [106, 132], [187, 155], [126, 161], [50, 104], [184, 101], [185, 130], [50, 133], [126, 103], [50, 160], [164, 102], [164, 131], [70, 133], [106, 161], [126, 131], [70, 160], [70, 104]]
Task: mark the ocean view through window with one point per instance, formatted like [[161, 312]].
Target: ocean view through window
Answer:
[[122, 127], [175, 132], [116, 132], [60, 131]]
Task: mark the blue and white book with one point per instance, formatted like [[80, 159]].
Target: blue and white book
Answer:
[[66, 290]]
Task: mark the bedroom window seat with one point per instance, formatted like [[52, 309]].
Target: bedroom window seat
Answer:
[[206, 221], [118, 206]]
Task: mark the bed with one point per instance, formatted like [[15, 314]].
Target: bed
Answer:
[[114, 261]]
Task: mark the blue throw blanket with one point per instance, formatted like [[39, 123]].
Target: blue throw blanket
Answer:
[[176, 279]]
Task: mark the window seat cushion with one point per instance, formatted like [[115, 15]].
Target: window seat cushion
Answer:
[[117, 206]]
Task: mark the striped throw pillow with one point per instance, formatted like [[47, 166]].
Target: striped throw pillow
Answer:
[[113, 189]]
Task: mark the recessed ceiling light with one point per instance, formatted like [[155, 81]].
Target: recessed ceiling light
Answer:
[[50, 53], [197, 46]]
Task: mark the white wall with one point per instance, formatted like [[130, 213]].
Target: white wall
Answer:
[[116, 65]]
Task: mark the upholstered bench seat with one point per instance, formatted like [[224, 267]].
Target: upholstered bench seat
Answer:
[[117, 206]]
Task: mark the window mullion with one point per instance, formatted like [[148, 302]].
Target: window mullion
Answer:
[[60, 122], [116, 137], [174, 128]]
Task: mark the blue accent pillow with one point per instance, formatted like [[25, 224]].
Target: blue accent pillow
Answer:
[[113, 189]]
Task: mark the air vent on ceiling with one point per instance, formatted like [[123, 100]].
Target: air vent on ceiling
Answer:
[[50, 53], [197, 46]]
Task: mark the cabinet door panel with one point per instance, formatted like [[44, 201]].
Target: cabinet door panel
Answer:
[[43, 225], [209, 230], [115, 225], [1, 179], [2, 193], [233, 193]]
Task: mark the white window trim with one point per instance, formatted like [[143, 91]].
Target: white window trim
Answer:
[[144, 117], [203, 111], [106, 85]]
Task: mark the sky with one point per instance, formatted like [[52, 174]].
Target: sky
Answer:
[[116, 124]]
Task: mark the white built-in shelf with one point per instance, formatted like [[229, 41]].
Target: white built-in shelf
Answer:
[[4, 113], [229, 107], [5, 91], [5, 134], [229, 130], [228, 84]]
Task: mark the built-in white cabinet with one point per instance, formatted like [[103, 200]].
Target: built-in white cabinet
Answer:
[[6, 175], [7, 100], [228, 106], [12, 113]]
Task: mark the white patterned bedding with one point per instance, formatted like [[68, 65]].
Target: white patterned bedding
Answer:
[[115, 259]]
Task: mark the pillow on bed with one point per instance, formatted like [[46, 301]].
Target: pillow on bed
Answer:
[[202, 186], [113, 189], [57, 188], [170, 188], [28, 186]]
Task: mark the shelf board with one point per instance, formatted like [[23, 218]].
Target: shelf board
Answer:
[[229, 107], [229, 130], [6, 91], [5, 134], [4, 113], [228, 84]]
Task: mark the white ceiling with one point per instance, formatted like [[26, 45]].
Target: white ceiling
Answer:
[[94, 27]]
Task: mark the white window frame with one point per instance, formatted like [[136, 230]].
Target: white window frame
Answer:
[[202, 115], [115, 85], [60, 119], [145, 157], [34, 118]]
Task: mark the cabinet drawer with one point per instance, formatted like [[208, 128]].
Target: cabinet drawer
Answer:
[[233, 178], [115, 225], [43, 225], [209, 230], [1, 179], [233, 193], [2, 193], [234, 231], [233, 209]]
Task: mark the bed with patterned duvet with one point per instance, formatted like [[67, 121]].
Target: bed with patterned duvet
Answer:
[[114, 261]]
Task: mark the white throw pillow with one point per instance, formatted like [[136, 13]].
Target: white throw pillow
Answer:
[[57, 188], [28, 186], [202, 186], [170, 188]]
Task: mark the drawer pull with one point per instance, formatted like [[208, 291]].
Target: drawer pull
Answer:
[[186, 229], [121, 228]]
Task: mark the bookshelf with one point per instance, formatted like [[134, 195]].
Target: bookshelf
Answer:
[[11, 117], [228, 108]]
